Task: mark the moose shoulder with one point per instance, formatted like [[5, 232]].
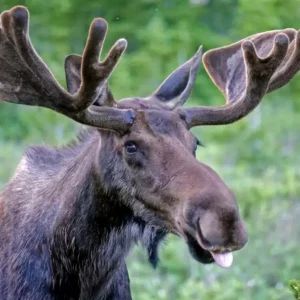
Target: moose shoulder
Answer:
[[69, 216]]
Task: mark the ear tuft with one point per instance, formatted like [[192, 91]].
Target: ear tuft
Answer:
[[176, 89]]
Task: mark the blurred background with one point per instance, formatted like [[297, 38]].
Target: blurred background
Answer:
[[258, 157]]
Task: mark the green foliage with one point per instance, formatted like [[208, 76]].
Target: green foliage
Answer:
[[295, 286], [257, 157]]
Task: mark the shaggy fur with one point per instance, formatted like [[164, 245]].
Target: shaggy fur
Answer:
[[72, 246]]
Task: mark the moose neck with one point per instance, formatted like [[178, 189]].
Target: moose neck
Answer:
[[97, 228], [71, 213]]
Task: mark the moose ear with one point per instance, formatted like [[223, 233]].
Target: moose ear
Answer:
[[176, 89], [73, 78]]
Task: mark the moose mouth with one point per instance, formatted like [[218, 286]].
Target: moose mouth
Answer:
[[204, 256]]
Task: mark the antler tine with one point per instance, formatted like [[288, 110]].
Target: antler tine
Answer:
[[16, 26], [25, 78], [290, 67], [73, 71], [94, 73], [243, 93], [19, 56]]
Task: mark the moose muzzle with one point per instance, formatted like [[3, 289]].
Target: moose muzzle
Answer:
[[210, 219]]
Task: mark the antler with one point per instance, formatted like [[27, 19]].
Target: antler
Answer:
[[245, 72], [73, 71], [25, 78]]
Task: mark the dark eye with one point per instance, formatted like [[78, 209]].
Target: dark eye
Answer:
[[130, 147]]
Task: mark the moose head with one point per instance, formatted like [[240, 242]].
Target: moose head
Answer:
[[145, 151]]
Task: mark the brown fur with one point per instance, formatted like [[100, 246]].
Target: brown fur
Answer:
[[75, 212]]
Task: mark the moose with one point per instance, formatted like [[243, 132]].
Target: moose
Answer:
[[70, 216]]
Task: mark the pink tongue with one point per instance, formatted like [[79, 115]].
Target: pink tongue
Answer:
[[224, 260]]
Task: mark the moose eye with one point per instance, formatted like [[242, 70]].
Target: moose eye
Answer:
[[131, 147]]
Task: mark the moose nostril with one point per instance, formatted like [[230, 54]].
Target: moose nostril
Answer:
[[221, 235], [207, 244]]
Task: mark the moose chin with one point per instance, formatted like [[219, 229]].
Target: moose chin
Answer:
[[69, 216]]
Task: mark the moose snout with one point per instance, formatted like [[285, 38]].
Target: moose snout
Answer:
[[221, 233], [207, 214], [216, 227]]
